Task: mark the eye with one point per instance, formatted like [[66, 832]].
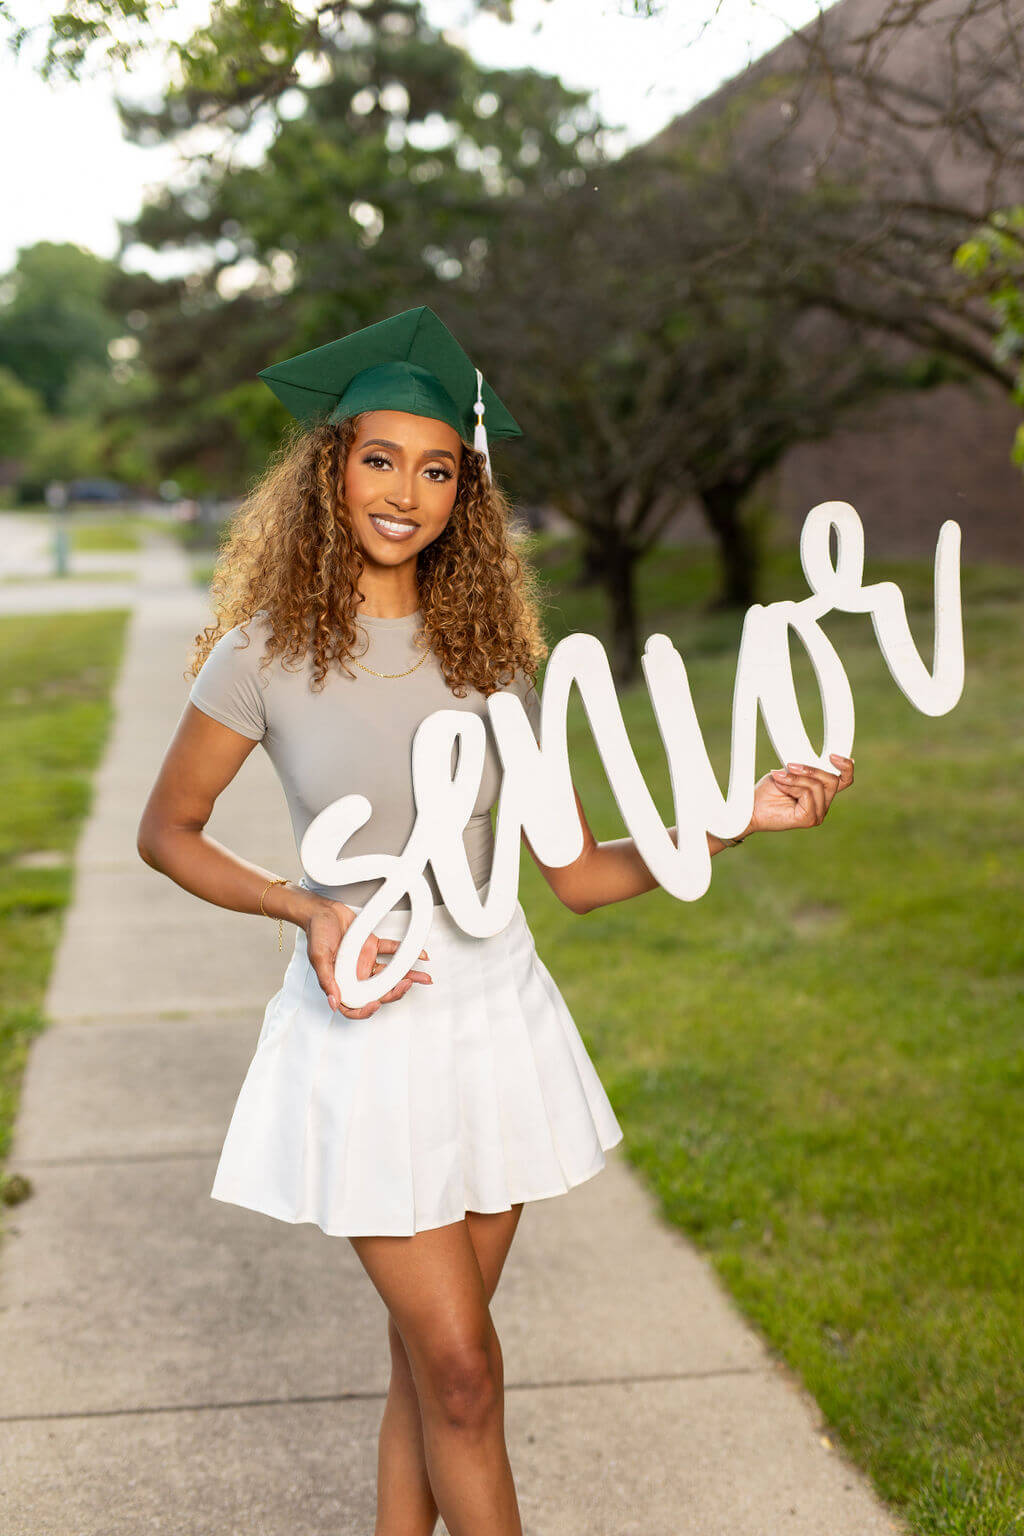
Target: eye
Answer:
[[377, 459], [439, 469]]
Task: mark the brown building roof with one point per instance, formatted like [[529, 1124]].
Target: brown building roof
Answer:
[[911, 461]]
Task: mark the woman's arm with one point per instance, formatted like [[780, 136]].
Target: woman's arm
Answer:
[[784, 799], [201, 760], [604, 872]]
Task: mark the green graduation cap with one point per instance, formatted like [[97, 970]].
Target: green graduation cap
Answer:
[[409, 362]]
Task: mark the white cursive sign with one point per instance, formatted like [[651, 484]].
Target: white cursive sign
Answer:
[[536, 791]]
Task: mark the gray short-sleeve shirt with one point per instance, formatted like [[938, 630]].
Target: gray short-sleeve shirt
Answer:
[[354, 736]]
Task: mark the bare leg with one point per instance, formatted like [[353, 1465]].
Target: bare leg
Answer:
[[405, 1500], [405, 1493]]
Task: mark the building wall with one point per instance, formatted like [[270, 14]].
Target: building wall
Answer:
[[912, 462]]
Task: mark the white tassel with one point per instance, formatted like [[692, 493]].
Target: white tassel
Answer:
[[480, 431]]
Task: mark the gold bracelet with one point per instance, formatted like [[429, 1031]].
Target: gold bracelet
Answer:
[[734, 842], [280, 921]]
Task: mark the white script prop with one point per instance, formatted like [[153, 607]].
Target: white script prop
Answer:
[[536, 791]]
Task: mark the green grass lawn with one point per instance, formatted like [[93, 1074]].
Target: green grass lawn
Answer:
[[54, 712], [819, 1067], [118, 534]]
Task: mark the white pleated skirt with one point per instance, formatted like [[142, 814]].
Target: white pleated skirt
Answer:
[[469, 1094]]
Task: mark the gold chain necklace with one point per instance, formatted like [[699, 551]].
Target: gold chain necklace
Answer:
[[393, 674]]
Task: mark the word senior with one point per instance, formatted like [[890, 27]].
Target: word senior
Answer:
[[536, 794]]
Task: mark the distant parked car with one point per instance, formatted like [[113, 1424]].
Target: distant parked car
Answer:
[[97, 490]]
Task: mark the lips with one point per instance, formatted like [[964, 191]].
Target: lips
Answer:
[[400, 529]]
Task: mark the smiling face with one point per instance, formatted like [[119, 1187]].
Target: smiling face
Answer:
[[401, 481]]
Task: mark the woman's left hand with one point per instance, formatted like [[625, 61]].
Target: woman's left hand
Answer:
[[798, 795]]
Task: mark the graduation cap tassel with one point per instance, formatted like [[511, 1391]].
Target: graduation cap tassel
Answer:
[[480, 431]]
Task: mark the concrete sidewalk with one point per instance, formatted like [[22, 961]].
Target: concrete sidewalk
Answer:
[[177, 1365], [96, 579]]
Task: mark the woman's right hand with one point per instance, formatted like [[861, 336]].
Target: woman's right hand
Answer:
[[325, 928]]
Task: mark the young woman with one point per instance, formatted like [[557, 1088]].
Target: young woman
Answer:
[[372, 577]]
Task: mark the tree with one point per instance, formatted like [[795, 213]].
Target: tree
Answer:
[[391, 178], [910, 109], [903, 122], [894, 84], [993, 258], [54, 316], [250, 51], [661, 345], [22, 415], [932, 88], [69, 351]]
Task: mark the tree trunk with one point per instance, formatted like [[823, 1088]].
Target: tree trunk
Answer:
[[737, 546], [591, 568], [618, 578]]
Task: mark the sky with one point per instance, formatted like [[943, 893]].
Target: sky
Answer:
[[75, 176]]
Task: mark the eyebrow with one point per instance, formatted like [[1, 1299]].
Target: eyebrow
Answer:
[[383, 442]]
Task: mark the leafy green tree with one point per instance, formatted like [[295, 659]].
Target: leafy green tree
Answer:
[[99, 434], [54, 316], [249, 50], [384, 185], [22, 415], [69, 350], [993, 258]]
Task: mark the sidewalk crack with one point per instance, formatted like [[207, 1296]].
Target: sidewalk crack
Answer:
[[302, 1400]]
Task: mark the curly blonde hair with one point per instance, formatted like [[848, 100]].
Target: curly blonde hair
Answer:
[[290, 554]]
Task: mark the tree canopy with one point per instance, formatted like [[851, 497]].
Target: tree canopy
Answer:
[[393, 176], [55, 317], [248, 50]]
